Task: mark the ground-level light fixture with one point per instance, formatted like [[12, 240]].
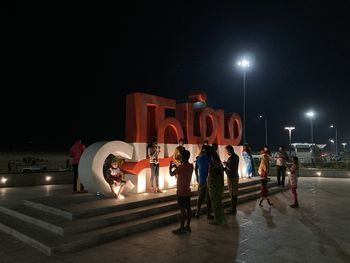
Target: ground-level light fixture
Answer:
[[4, 180]]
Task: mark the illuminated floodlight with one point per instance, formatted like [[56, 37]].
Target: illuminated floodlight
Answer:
[[244, 63], [4, 180], [319, 173], [289, 128], [310, 114], [48, 178]]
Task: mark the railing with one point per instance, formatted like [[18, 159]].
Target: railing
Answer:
[[337, 165]]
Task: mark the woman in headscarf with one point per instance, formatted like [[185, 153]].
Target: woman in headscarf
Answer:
[[215, 182]]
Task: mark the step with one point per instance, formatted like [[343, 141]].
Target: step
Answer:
[[62, 213], [108, 205], [99, 221], [28, 233], [35, 217], [49, 242], [104, 215], [114, 232], [81, 224]]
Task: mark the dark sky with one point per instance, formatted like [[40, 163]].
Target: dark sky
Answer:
[[67, 68]]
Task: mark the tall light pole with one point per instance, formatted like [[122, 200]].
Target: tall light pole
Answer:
[[332, 142], [290, 138], [244, 64], [260, 117], [311, 116], [336, 138]]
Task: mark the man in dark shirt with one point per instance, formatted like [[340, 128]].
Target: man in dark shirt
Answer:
[[231, 169]]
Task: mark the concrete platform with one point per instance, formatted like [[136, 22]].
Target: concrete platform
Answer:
[[60, 224], [316, 232]]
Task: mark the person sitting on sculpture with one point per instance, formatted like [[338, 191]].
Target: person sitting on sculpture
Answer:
[[114, 177]]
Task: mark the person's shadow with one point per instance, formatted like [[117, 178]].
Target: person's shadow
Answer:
[[281, 205], [266, 213], [248, 208]]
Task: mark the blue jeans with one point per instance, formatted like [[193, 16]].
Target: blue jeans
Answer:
[[155, 174]]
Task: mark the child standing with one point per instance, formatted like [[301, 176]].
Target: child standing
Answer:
[[293, 180], [114, 177], [264, 193]]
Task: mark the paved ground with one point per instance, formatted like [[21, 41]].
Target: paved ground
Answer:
[[317, 232]]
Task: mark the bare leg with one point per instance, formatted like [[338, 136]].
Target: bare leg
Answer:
[[268, 200], [112, 190], [121, 189]]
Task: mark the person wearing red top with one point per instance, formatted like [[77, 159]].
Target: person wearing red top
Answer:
[[76, 151], [264, 192], [183, 174]]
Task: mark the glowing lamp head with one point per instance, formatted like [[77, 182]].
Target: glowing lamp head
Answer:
[[289, 128], [310, 114], [244, 63]]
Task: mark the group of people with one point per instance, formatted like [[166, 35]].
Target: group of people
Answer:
[[209, 170], [282, 164]]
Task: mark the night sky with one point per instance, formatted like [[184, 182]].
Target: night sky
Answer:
[[66, 69]]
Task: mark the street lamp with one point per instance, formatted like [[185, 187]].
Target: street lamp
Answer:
[[244, 64], [336, 138], [344, 145], [290, 138], [311, 116], [332, 142], [260, 117]]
